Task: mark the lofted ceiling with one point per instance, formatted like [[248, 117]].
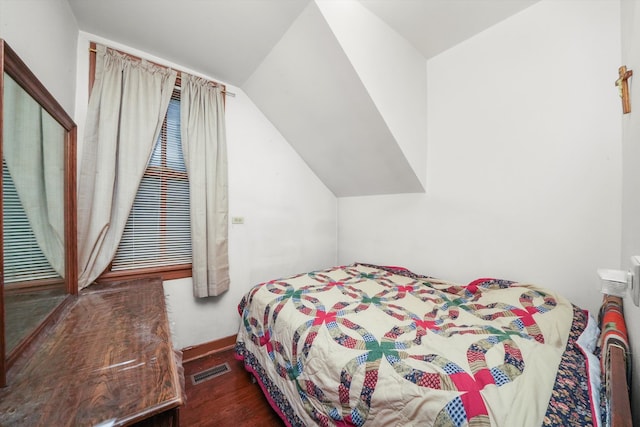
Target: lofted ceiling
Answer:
[[306, 67]]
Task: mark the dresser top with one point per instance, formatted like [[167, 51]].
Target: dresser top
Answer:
[[108, 361]]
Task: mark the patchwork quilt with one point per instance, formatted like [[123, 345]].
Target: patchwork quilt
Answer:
[[364, 345]]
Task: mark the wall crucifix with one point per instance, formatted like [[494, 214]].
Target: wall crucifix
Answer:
[[623, 88]]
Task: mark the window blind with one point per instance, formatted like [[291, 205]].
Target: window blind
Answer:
[[24, 261], [157, 232]]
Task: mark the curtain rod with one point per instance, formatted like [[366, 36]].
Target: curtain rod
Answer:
[[231, 94]]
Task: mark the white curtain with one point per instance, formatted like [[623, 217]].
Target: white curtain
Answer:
[[126, 109], [33, 149], [205, 152]]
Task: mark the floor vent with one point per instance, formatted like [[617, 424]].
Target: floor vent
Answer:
[[210, 373]]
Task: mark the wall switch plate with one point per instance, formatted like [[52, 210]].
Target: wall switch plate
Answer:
[[635, 280], [237, 220]]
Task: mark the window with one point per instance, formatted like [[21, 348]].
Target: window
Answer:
[[157, 234]]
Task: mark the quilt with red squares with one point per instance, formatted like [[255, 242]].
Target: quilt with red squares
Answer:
[[363, 345]]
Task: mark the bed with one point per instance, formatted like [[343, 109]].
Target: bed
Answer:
[[362, 345]]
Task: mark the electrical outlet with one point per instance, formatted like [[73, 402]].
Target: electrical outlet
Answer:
[[635, 280], [237, 220]]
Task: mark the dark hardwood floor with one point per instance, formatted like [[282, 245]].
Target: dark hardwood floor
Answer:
[[230, 399]]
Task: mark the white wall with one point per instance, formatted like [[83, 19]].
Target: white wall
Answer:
[[290, 216], [523, 171], [43, 34], [630, 15]]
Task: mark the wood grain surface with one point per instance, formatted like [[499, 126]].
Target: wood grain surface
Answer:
[[229, 400], [108, 360]]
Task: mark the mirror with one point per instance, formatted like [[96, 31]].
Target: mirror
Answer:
[[37, 140]]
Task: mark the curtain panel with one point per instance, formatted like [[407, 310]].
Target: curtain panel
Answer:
[[127, 106], [205, 152], [35, 160]]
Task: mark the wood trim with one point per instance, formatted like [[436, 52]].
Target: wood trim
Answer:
[[619, 398], [34, 286], [198, 351], [165, 273], [92, 66], [71, 212], [3, 362]]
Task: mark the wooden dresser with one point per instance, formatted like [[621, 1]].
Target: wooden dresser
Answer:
[[108, 361]]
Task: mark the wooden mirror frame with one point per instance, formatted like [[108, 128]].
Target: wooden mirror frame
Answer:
[[11, 63]]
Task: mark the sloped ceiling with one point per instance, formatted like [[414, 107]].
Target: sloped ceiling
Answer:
[[225, 39], [310, 88], [312, 67], [434, 26]]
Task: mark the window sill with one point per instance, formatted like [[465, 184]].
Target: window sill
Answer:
[[165, 273]]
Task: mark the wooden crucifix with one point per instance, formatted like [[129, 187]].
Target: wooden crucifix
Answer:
[[623, 88]]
